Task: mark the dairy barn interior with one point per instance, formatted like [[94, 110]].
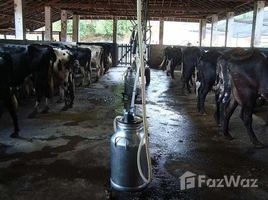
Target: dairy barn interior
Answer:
[[122, 99]]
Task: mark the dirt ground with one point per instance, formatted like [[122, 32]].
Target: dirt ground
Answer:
[[65, 155]]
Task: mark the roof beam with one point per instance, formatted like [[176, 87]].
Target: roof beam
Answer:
[[83, 6]]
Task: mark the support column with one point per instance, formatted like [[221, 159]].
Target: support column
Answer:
[[63, 25], [115, 30], [76, 28], [202, 31], [48, 24], [43, 36], [257, 25], [161, 32], [214, 30], [19, 20], [115, 47], [229, 29]]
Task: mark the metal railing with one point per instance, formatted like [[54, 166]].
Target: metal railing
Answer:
[[124, 54]]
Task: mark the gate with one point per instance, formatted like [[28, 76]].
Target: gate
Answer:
[[124, 54]]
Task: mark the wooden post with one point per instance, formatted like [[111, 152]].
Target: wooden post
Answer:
[[63, 25], [75, 28], [48, 24], [43, 36], [202, 31], [115, 47], [161, 32], [114, 30], [19, 20], [229, 29], [257, 25], [214, 30]]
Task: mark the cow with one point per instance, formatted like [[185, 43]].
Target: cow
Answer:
[[243, 75], [107, 56], [189, 60], [172, 58], [7, 98], [206, 76], [63, 76], [96, 60], [22, 61], [82, 61]]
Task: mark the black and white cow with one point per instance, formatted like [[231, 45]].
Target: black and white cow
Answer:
[[189, 60], [82, 61], [63, 77], [243, 78], [35, 60], [96, 60], [206, 76], [172, 58]]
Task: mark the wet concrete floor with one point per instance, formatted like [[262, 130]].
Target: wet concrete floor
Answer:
[[65, 155]]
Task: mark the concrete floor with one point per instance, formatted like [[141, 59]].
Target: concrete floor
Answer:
[[65, 155]]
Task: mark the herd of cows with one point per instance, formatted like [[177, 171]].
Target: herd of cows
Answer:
[[44, 70], [237, 76]]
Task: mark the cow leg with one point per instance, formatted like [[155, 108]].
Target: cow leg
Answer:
[[37, 103], [88, 74], [61, 97], [83, 72], [35, 110], [228, 111], [169, 67], [217, 114], [188, 87], [247, 119], [199, 91], [12, 111], [46, 109], [172, 69], [203, 96], [69, 93]]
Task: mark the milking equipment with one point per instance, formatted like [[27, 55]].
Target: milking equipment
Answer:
[[130, 157]]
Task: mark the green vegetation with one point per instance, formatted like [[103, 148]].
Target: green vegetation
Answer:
[[97, 28]]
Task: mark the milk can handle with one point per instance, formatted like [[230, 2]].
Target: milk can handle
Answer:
[[118, 138]]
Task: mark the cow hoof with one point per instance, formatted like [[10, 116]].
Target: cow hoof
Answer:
[[46, 109], [14, 135], [258, 145], [33, 114], [228, 137]]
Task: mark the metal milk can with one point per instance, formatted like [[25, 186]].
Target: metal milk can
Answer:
[[124, 148]]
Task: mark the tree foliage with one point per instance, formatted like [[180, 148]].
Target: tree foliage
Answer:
[[97, 27]]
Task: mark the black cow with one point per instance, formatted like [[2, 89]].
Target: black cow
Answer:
[[246, 72], [82, 57], [189, 60], [107, 56], [206, 76], [35, 60], [172, 58], [7, 98]]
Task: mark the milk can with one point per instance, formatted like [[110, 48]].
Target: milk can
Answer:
[[124, 148]]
